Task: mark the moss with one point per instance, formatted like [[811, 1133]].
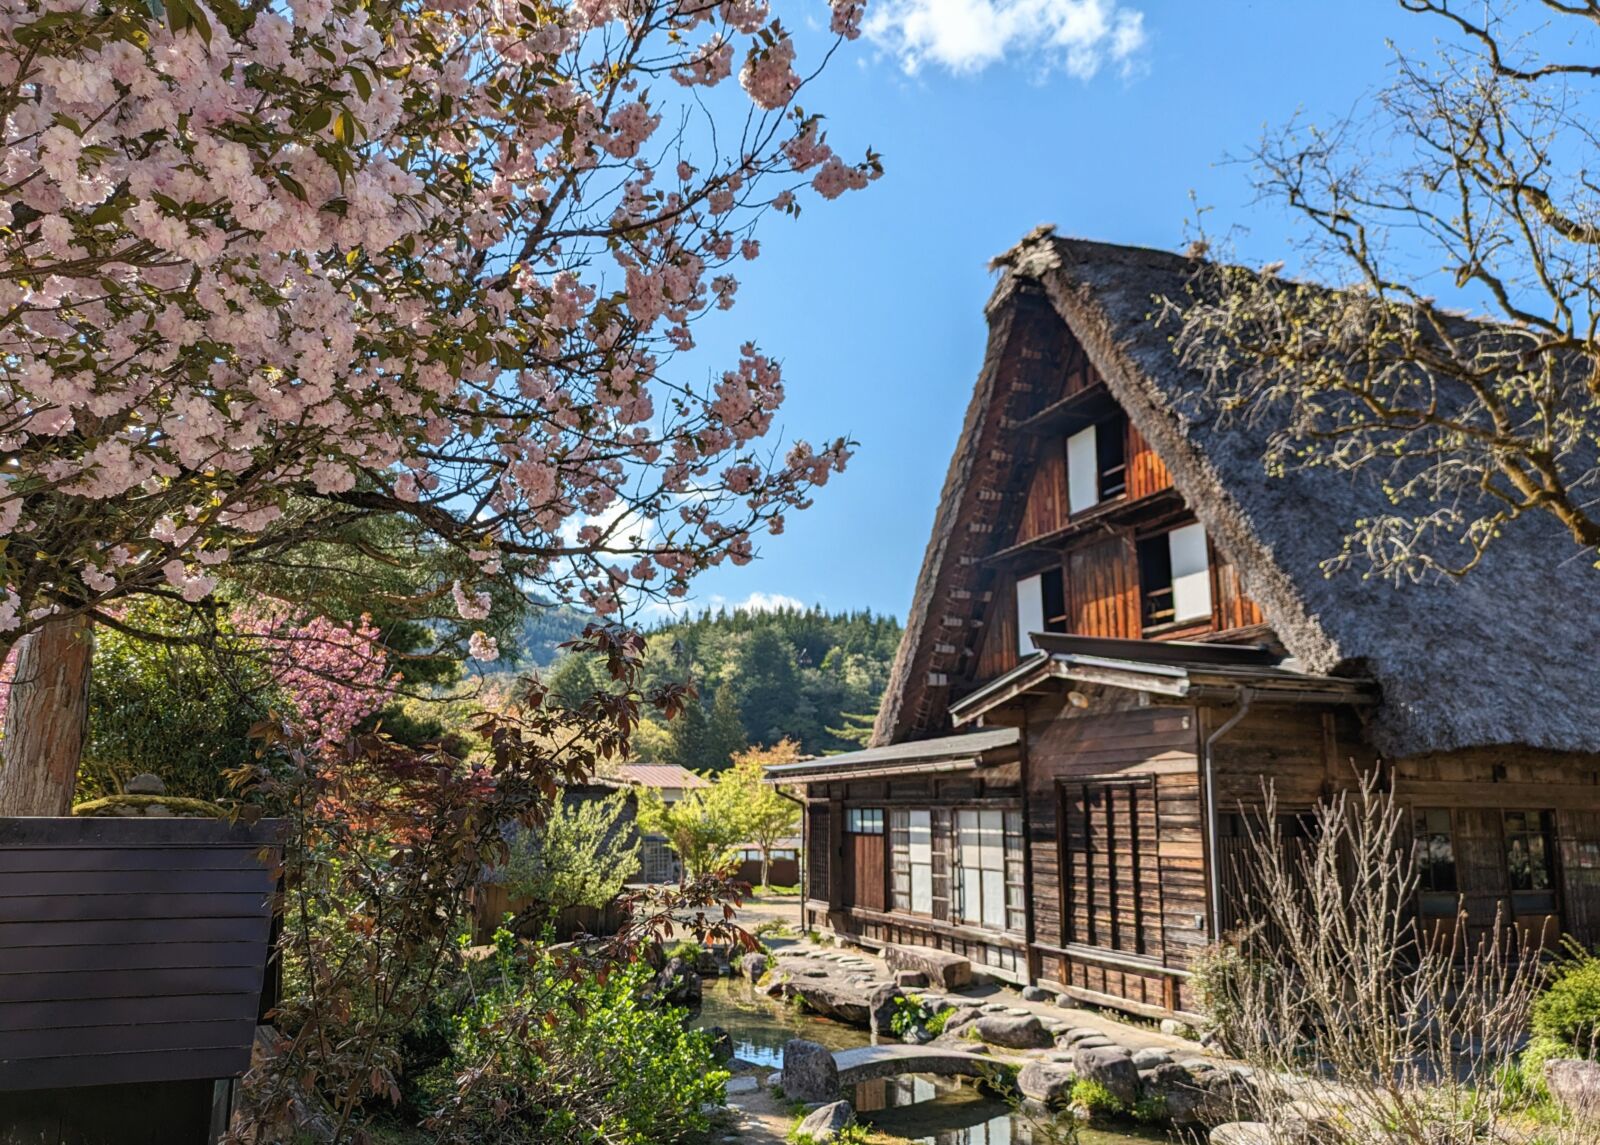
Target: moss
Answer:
[[132, 806]]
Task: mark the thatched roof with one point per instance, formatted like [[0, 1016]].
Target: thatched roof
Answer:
[[1503, 656]]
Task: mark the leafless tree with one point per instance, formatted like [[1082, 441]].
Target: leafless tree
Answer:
[[1467, 176], [1363, 1027]]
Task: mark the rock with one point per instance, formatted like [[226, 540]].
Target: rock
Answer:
[[1067, 1003], [1035, 994], [145, 784], [753, 966], [910, 979], [1049, 1083], [1176, 1029], [1078, 1033], [938, 1005], [826, 1123], [1575, 1084], [721, 1043], [1242, 1133], [737, 1085], [809, 1072], [1098, 1042], [1112, 1067], [678, 984], [1150, 1058], [1224, 1096], [1175, 1088], [1013, 1032], [1306, 1119], [948, 971], [993, 1008], [916, 1036]]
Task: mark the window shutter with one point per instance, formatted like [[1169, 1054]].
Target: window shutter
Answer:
[[1191, 573], [1030, 612], [1083, 471]]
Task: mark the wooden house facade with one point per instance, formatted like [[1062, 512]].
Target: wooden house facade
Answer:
[[1123, 631]]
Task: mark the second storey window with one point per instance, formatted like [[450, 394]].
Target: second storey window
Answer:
[[1175, 577], [1097, 468], [1041, 607]]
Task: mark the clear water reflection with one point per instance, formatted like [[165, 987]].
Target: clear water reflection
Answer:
[[934, 1111]]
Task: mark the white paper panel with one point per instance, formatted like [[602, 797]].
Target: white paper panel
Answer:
[[1030, 612], [1191, 575], [1083, 471]]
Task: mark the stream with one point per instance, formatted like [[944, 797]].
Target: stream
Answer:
[[934, 1111]]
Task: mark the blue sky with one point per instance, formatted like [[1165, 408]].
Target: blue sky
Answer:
[[874, 302]]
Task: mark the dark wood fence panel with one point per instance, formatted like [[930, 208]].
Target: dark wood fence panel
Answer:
[[131, 950]]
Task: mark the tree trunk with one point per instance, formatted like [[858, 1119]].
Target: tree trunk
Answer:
[[47, 719], [766, 866]]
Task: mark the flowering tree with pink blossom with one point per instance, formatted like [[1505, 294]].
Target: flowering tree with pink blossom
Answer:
[[335, 675], [267, 269]]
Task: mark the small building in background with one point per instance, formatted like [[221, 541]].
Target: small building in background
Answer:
[[784, 863], [658, 862]]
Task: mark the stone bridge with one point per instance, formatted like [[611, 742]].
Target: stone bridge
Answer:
[[868, 1062]]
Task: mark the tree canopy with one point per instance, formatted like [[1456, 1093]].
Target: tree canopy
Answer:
[[761, 677]]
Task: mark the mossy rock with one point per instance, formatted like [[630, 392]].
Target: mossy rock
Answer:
[[149, 806]]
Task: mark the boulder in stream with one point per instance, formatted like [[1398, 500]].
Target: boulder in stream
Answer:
[[809, 1072]]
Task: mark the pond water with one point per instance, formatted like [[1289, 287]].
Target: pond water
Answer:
[[933, 1111]]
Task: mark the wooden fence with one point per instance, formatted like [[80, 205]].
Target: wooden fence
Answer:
[[491, 904]]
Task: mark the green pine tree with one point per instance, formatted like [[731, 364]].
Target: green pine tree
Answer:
[[727, 734]]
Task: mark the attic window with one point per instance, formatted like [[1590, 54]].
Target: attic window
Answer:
[[1041, 607], [1175, 577], [1097, 464]]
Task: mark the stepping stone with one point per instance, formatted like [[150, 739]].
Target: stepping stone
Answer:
[[1150, 1058], [742, 1085], [993, 1008], [1078, 1033], [1018, 1011], [1096, 1043]]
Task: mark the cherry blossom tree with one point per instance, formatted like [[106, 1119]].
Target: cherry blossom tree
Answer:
[[265, 269]]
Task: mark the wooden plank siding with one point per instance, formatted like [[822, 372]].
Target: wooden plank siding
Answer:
[[1231, 607], [1162, 867], [1103, 588], [1045, 510], [131, 950], [1147, 473]]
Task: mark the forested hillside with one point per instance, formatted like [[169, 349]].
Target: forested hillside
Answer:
[[806, 675]]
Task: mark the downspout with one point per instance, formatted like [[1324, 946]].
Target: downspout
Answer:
[[1215, 872]]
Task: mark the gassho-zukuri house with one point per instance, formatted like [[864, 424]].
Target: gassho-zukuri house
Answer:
[[1122, 628]]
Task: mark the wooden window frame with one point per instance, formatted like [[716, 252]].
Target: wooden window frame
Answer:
[[856, 821]]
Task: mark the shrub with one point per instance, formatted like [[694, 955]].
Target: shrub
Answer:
[[686, 950], [1568, 1010], [909, 1013], [1224, 977], [543, 1041], [1096, 1098], [1150, 1110], [935, 1025]]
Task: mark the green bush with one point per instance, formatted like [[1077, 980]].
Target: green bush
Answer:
[[560, 1056], [935, 1025], [1096, 1098], [909, 1013], [1222, 976], [1568, 1011]]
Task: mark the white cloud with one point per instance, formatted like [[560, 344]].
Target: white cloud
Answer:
[[1081, 36], [768, 602]]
